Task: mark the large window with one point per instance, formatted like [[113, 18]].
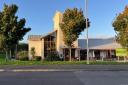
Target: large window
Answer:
[[50, 44]]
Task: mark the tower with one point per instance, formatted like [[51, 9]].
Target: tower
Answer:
[[57, 20]]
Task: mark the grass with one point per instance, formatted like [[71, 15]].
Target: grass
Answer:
[[18, 62], [2, 57]]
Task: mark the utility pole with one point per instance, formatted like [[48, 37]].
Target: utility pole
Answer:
[[86, 10]]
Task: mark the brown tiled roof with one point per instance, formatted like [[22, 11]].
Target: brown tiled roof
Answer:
[[34, 37], [49, 33], [39, 37]]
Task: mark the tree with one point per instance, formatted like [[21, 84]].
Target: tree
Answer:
[[12, 28], [33, 52], [22, 47], [73, 23], [120, 25], [2, 38], [2, 44]]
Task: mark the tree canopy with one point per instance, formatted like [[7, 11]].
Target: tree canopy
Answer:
[[120, 25], [73, 23], [12, 28]]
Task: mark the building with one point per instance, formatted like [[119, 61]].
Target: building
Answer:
[[99, 48], [53, 42]]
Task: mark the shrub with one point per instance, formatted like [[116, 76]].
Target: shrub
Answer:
[[37, 58], [53, 57], [22, 55], [33, 53]]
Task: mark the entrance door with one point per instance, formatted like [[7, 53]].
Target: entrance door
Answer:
[[97, 54]]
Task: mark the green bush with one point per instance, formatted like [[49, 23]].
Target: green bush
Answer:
[[22, 55], [33, 52], [37, 58], [52, 57]]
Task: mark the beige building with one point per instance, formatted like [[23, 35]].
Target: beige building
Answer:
[[53, 42]]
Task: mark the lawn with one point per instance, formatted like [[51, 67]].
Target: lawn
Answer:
[[2, 57], [18, 62]]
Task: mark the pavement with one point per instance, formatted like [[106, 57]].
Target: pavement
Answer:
[[65, 78], [64, 68], [64, 75]]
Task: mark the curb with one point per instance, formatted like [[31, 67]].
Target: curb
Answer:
[[46, 68], [39, 70], [57, 70]]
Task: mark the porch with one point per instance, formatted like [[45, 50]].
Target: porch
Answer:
[[75, 54], [97, 54]]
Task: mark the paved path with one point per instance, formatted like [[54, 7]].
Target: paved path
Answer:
[[65, 78]]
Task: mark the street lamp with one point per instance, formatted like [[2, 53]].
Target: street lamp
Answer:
[[86, 10]]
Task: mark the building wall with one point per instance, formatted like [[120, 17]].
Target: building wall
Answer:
[[76, 44], [39, 44], [38, 48], [57, 20]]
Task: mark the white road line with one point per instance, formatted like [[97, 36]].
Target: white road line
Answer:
[[29, 70], [2, 70], [38, 70], [35, 70]]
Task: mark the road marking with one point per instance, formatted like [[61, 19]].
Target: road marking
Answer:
[[2, 70], [29, 70], [37, 70]]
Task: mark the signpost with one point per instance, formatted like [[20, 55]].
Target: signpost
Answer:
[[121, 52]]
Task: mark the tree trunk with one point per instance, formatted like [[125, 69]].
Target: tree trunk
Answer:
[[7, 55], [102, 58], [16, 51], [10, 54], [70, 54], [79, 54]]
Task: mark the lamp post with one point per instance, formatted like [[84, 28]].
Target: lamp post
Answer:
[[86, 10]]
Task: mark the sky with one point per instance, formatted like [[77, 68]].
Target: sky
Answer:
[[39, 14]]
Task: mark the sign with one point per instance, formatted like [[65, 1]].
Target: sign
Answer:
[[121, 52]]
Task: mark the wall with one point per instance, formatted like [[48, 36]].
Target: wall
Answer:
[[38, 47], [57, 20]]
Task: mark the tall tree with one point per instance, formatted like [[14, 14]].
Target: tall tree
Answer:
[[73, 23], [120, 25], [12, 28], [22, 47]]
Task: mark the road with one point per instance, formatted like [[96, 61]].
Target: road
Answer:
[[65, 78], [70, 67]]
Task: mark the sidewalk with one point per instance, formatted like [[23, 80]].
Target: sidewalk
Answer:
[[65, 68]]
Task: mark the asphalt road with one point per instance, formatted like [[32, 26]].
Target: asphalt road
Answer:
[[65, 78]]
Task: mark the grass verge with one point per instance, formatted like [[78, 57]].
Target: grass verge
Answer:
[[18, 62]]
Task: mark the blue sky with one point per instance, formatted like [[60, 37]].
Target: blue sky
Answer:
[[39, 14]]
